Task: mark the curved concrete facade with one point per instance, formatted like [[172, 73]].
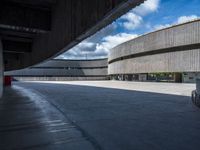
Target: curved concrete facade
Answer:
[[1, 69], [64, 70], [174, 49]]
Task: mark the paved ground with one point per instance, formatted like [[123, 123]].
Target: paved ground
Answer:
[[28, 121], [155, 87], [101, 118]]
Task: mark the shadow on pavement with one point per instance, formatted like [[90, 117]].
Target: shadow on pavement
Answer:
[[122, 119]]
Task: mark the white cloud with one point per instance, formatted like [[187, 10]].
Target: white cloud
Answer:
[[158, 27], [181, 19], [79, 50], [110, 29], [147, 7], [84, 46], [114, 40], [132, 21], [184, 19], [97, 50], [98, 45]]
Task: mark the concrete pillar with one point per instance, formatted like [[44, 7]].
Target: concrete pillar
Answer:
[[1, 68]]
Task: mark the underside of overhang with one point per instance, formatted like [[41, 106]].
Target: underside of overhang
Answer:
[[35, 30]]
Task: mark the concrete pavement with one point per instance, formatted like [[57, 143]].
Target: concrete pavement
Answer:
[[184, 89], [29, 122], [115, 119]]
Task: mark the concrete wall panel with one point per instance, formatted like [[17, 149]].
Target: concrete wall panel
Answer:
[[59, 72], [174, 49], [65, 70], [1, 69], [74, 63], [58, 78], [180, 35], [184, 61]]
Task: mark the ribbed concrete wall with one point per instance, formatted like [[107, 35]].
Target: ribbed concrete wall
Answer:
[[175, 49], [58, 78], [64, 70], [1, 69], [186, 61], [75, 63], [59, 72]]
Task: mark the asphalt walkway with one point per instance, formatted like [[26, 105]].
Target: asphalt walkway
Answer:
[[29, 122], [83, 117]]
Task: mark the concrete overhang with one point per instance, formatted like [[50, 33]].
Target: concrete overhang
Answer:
[[33, 31]]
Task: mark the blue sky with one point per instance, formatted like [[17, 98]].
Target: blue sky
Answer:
[[149, 16]]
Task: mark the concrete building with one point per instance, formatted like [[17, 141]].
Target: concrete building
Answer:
[[1, 69], [63, 70], [32, 31], [168, 55], [171, 54]]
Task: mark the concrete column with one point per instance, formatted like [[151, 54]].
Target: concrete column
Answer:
[[1, 68]]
